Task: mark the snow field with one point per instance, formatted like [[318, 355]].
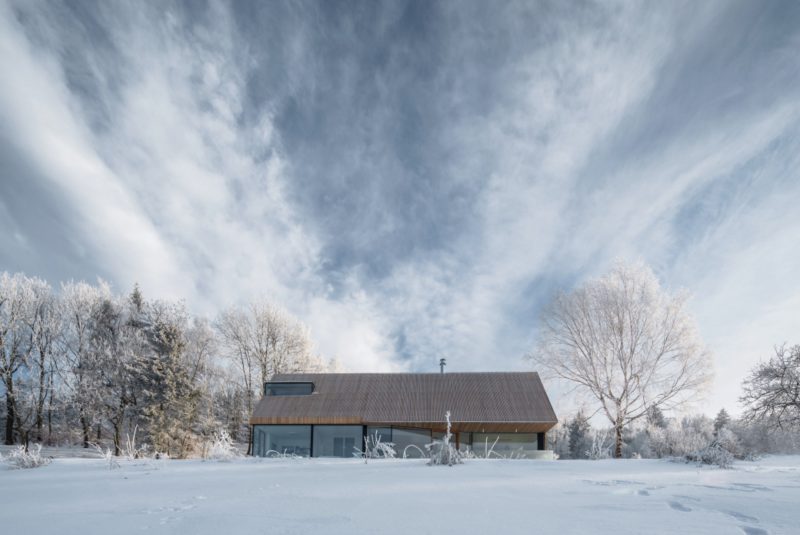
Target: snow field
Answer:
[[284, 496]]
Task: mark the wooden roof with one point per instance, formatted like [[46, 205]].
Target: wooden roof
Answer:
[[498, 401]]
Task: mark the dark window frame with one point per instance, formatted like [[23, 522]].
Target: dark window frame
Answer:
[[269, 384]]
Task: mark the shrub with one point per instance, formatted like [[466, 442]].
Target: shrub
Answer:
[[20, 457], [107, 455], [442, 452], [719, 452], [713, 454], [374, 448], [130, 451], [221, 447]]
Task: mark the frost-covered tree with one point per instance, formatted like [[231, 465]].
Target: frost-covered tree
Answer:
[[87, 364], [655, 417], [263, 340], [80, 370], [772, 391], [626, 343], [15, 300], [118, 348], [40, 330], [29, 327], [205, 372]]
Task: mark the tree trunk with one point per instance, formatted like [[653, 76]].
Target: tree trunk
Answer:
[[85, 427], [42, 394], [50, 411], [117, 449], [250, 440], [10, 413], [618, 441]]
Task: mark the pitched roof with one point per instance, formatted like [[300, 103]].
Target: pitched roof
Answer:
[[516, 399]]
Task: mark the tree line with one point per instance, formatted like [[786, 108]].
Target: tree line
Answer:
[[83, 365], [632, 350]]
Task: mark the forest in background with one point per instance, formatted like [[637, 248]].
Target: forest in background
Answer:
[[83, 365]]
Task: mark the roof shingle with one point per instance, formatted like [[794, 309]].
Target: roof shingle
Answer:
[[398, 398]]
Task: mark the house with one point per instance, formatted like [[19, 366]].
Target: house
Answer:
[[329, 414]]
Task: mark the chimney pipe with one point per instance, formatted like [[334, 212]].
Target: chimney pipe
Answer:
[[442, 364]]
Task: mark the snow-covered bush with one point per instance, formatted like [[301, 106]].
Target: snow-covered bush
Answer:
[[721, 451], [728, 440], [274, 454], [412, 447], [443, 452], [713, 454], [30, 458], [107, 455], [221, 447], [680, 438], [130, 451], [375, 448], [694, 434]]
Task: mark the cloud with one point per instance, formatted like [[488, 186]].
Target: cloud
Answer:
[[413, 180]]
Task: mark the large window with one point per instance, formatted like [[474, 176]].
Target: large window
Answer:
[[384, 434], [288, 389], [505, 444], [411, 442], [337, 440], [464, 441], [281, 439]]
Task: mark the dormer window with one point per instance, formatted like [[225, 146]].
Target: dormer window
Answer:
[[288, 389]]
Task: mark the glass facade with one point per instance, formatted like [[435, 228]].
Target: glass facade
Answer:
[[507, 445], [410, 443], [337, 440], [383, 433], [344, 440], [464, 441], [281, 439]]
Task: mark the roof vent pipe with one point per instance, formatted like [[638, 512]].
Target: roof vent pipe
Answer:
[[442, 364]]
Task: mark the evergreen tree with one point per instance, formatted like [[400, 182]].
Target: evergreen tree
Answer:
[[721, 421], [656, 418], [170, 396], [136, 299], [579, 436]]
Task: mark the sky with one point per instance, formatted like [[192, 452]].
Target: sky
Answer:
[[413, 180]]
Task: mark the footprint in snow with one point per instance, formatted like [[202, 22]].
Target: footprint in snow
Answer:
[[750, 530], [678, 506], [742, 517], [752, 487]]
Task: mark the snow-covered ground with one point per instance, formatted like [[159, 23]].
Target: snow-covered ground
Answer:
[[278, 496]]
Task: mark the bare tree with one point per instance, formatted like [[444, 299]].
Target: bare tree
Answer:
[[772, 391], [627, 343], [263, 340]]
